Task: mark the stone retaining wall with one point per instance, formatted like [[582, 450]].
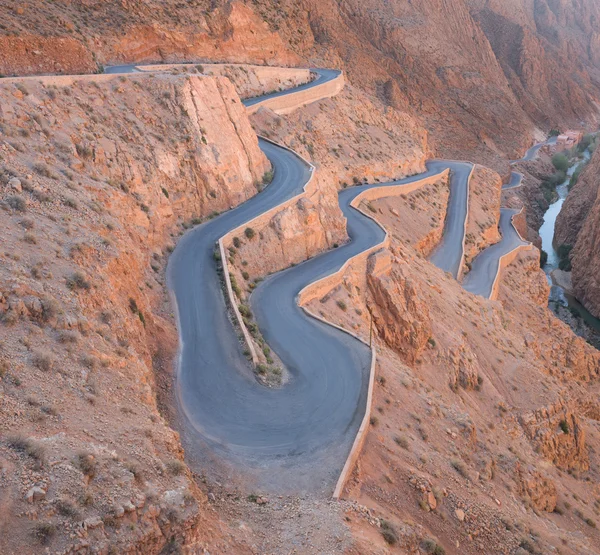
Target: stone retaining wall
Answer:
[[288, 103]]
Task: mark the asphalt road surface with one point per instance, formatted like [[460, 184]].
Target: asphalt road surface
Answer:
[[450, 252], [516, 180], [532, 152], [295, 438], [484, 268]]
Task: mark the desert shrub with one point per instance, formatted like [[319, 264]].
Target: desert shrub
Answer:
[[68, 336], [17, 202], [267, 177], [50, 309], [136, 470], [4, 367], [564, 426], [78, 281], [401, 441], [430, 546], [460, 467], [388, 532], [30, 238], [83, 150], [27, 223], [43, 532], [342, 305], [44, 170], [175, 467], [87, 464], [66, 507], [29, 446], [236, 242], [249, 233], [70, 202], [43, 361]]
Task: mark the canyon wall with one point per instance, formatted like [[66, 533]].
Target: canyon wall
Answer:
[[578, 226], [482, 76]]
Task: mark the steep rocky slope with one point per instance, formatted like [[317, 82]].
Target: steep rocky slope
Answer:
[[481, 436], [578, 204], [578, 225], [480, 74], [97, 178]]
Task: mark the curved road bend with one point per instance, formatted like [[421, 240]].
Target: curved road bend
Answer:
[[323, 76], [532, 152], [480, 280], [291, 439], [516, 180], [448, 255]]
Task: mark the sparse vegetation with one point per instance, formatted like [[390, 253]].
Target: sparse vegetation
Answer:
[[175, 467], [430, 546], [29, 446], [564, 255], [401, 441], [43, 361], [43, 532], [388, 532], [87, 464], [78, 281], [249, 233], [17, 202], [460, 467]]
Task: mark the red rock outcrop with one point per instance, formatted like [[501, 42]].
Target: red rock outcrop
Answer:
[[578, 204], [538, 489], [400, 315], [559, 435]]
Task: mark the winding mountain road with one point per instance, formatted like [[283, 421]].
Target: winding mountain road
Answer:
[[485, 267], [516, 180], [532, 152], [449, 254], [295, 438]]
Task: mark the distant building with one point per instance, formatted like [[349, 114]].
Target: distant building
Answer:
[[568, 140]]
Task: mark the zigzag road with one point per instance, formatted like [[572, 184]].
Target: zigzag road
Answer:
[[295, 438]]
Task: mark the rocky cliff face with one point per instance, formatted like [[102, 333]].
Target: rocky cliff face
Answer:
[[480, 75], [578, 225], [578, 204], [482, 410], [70, 38], [95, 181]]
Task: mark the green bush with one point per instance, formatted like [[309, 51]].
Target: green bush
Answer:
[[564, 255], [249, 233], [560, 162]]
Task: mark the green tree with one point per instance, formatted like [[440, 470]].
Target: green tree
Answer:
[[560, 162]]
